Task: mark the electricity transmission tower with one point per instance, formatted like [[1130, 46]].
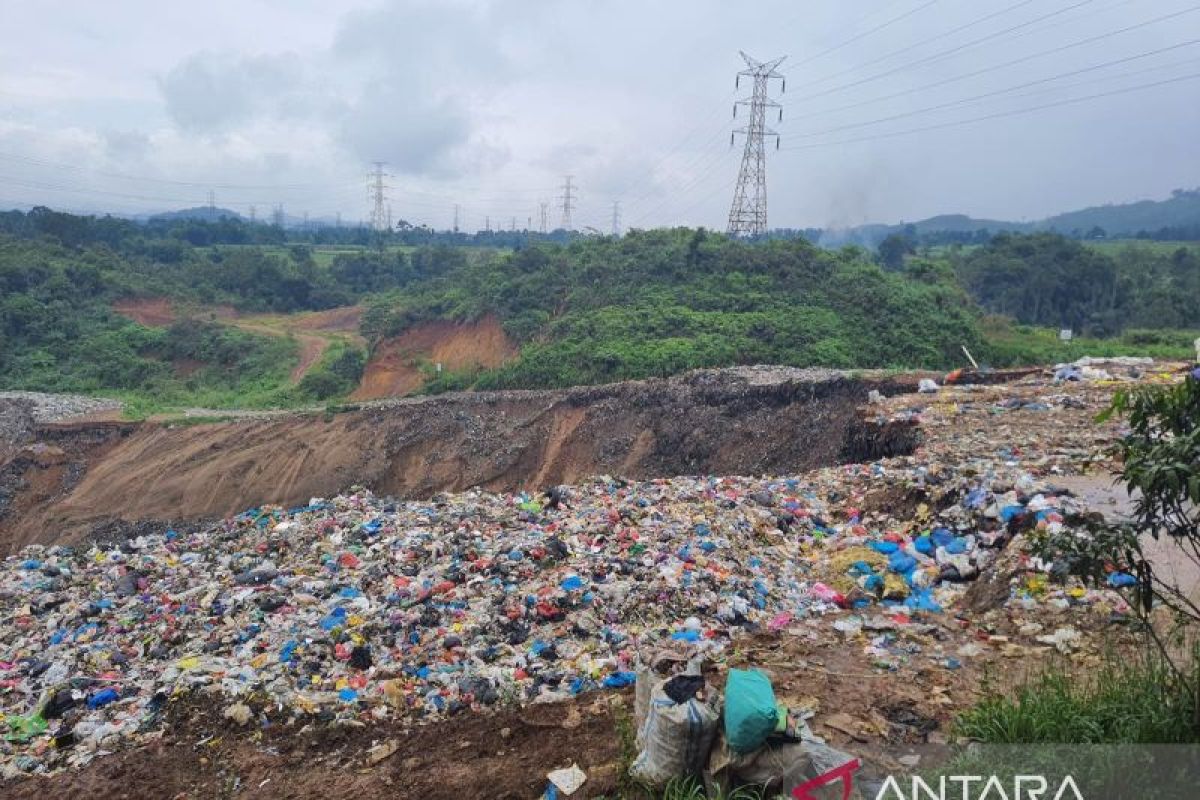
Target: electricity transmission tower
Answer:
[[616, 218], [456, 217], [568, 203], [377, 190], [748, 215]]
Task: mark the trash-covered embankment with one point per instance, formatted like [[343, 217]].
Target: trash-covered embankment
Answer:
[[109, 477]]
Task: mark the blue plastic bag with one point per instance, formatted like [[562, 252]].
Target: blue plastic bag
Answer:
[[750, 712], [901, 563]]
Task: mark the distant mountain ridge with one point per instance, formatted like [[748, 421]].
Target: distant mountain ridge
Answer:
[[1118, 220], [1182, 208], [199, 213]]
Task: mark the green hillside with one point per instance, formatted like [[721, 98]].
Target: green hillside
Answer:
[[592, 310]]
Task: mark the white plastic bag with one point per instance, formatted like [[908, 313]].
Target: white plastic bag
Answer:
[[675, 737]]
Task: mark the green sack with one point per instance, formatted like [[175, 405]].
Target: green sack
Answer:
[[750, 714]]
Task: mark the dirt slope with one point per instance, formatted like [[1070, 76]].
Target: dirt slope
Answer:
[[738, 421], [153, 312], [393, 369]]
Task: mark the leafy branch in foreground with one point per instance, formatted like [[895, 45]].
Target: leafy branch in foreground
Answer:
[[1143, 556]]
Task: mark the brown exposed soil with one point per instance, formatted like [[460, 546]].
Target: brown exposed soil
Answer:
[[394, 367], [707, 422], [466, 756], [153, 312], [335, 320]]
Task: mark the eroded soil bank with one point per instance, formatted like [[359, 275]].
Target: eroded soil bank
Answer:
[[62, 482]]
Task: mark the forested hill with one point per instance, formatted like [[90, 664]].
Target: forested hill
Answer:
[[1181, 210], [658, 302], [594, 309]]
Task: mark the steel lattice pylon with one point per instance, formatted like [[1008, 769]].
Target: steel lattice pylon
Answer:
[[748, 215]]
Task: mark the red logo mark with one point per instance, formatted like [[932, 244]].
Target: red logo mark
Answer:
[[844, 773]]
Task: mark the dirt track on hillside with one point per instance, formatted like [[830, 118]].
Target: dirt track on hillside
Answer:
[[313, 331], [740, 421], [394, 369]]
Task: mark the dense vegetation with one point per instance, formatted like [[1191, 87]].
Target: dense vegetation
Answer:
[[594, 309], [655, 303], [58, 333], [1045, 279]]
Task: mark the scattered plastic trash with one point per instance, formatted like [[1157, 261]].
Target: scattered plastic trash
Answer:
[[567, 781], [360, 607]]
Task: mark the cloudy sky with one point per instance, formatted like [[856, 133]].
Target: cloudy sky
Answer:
[[892, 110]]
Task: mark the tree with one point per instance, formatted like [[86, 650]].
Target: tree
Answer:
[[893, 249], [1161, 470]]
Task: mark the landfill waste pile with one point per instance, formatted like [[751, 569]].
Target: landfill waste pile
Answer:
[[357, 608], [56, 407]]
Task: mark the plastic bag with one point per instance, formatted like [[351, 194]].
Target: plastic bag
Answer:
[[675, 738], [750, 713]]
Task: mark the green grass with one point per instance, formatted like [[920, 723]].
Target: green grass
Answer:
[[1122, 702], [1010, 344]]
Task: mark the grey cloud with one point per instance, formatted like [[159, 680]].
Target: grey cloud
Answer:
[[391, 123], [126, 145], [211, 92]]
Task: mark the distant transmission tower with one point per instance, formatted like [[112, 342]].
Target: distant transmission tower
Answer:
[[542, 217], [568, 203], [253, 215], [456, 217], [377, 191], [277, 217], [616, 219], [748, 215], [212, 200]]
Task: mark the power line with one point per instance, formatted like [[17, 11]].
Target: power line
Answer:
[[146, 179], [984, 96], [703, 168], [923, 42], [867, 33], [1012, 62], [944, 53], [998, 115]]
